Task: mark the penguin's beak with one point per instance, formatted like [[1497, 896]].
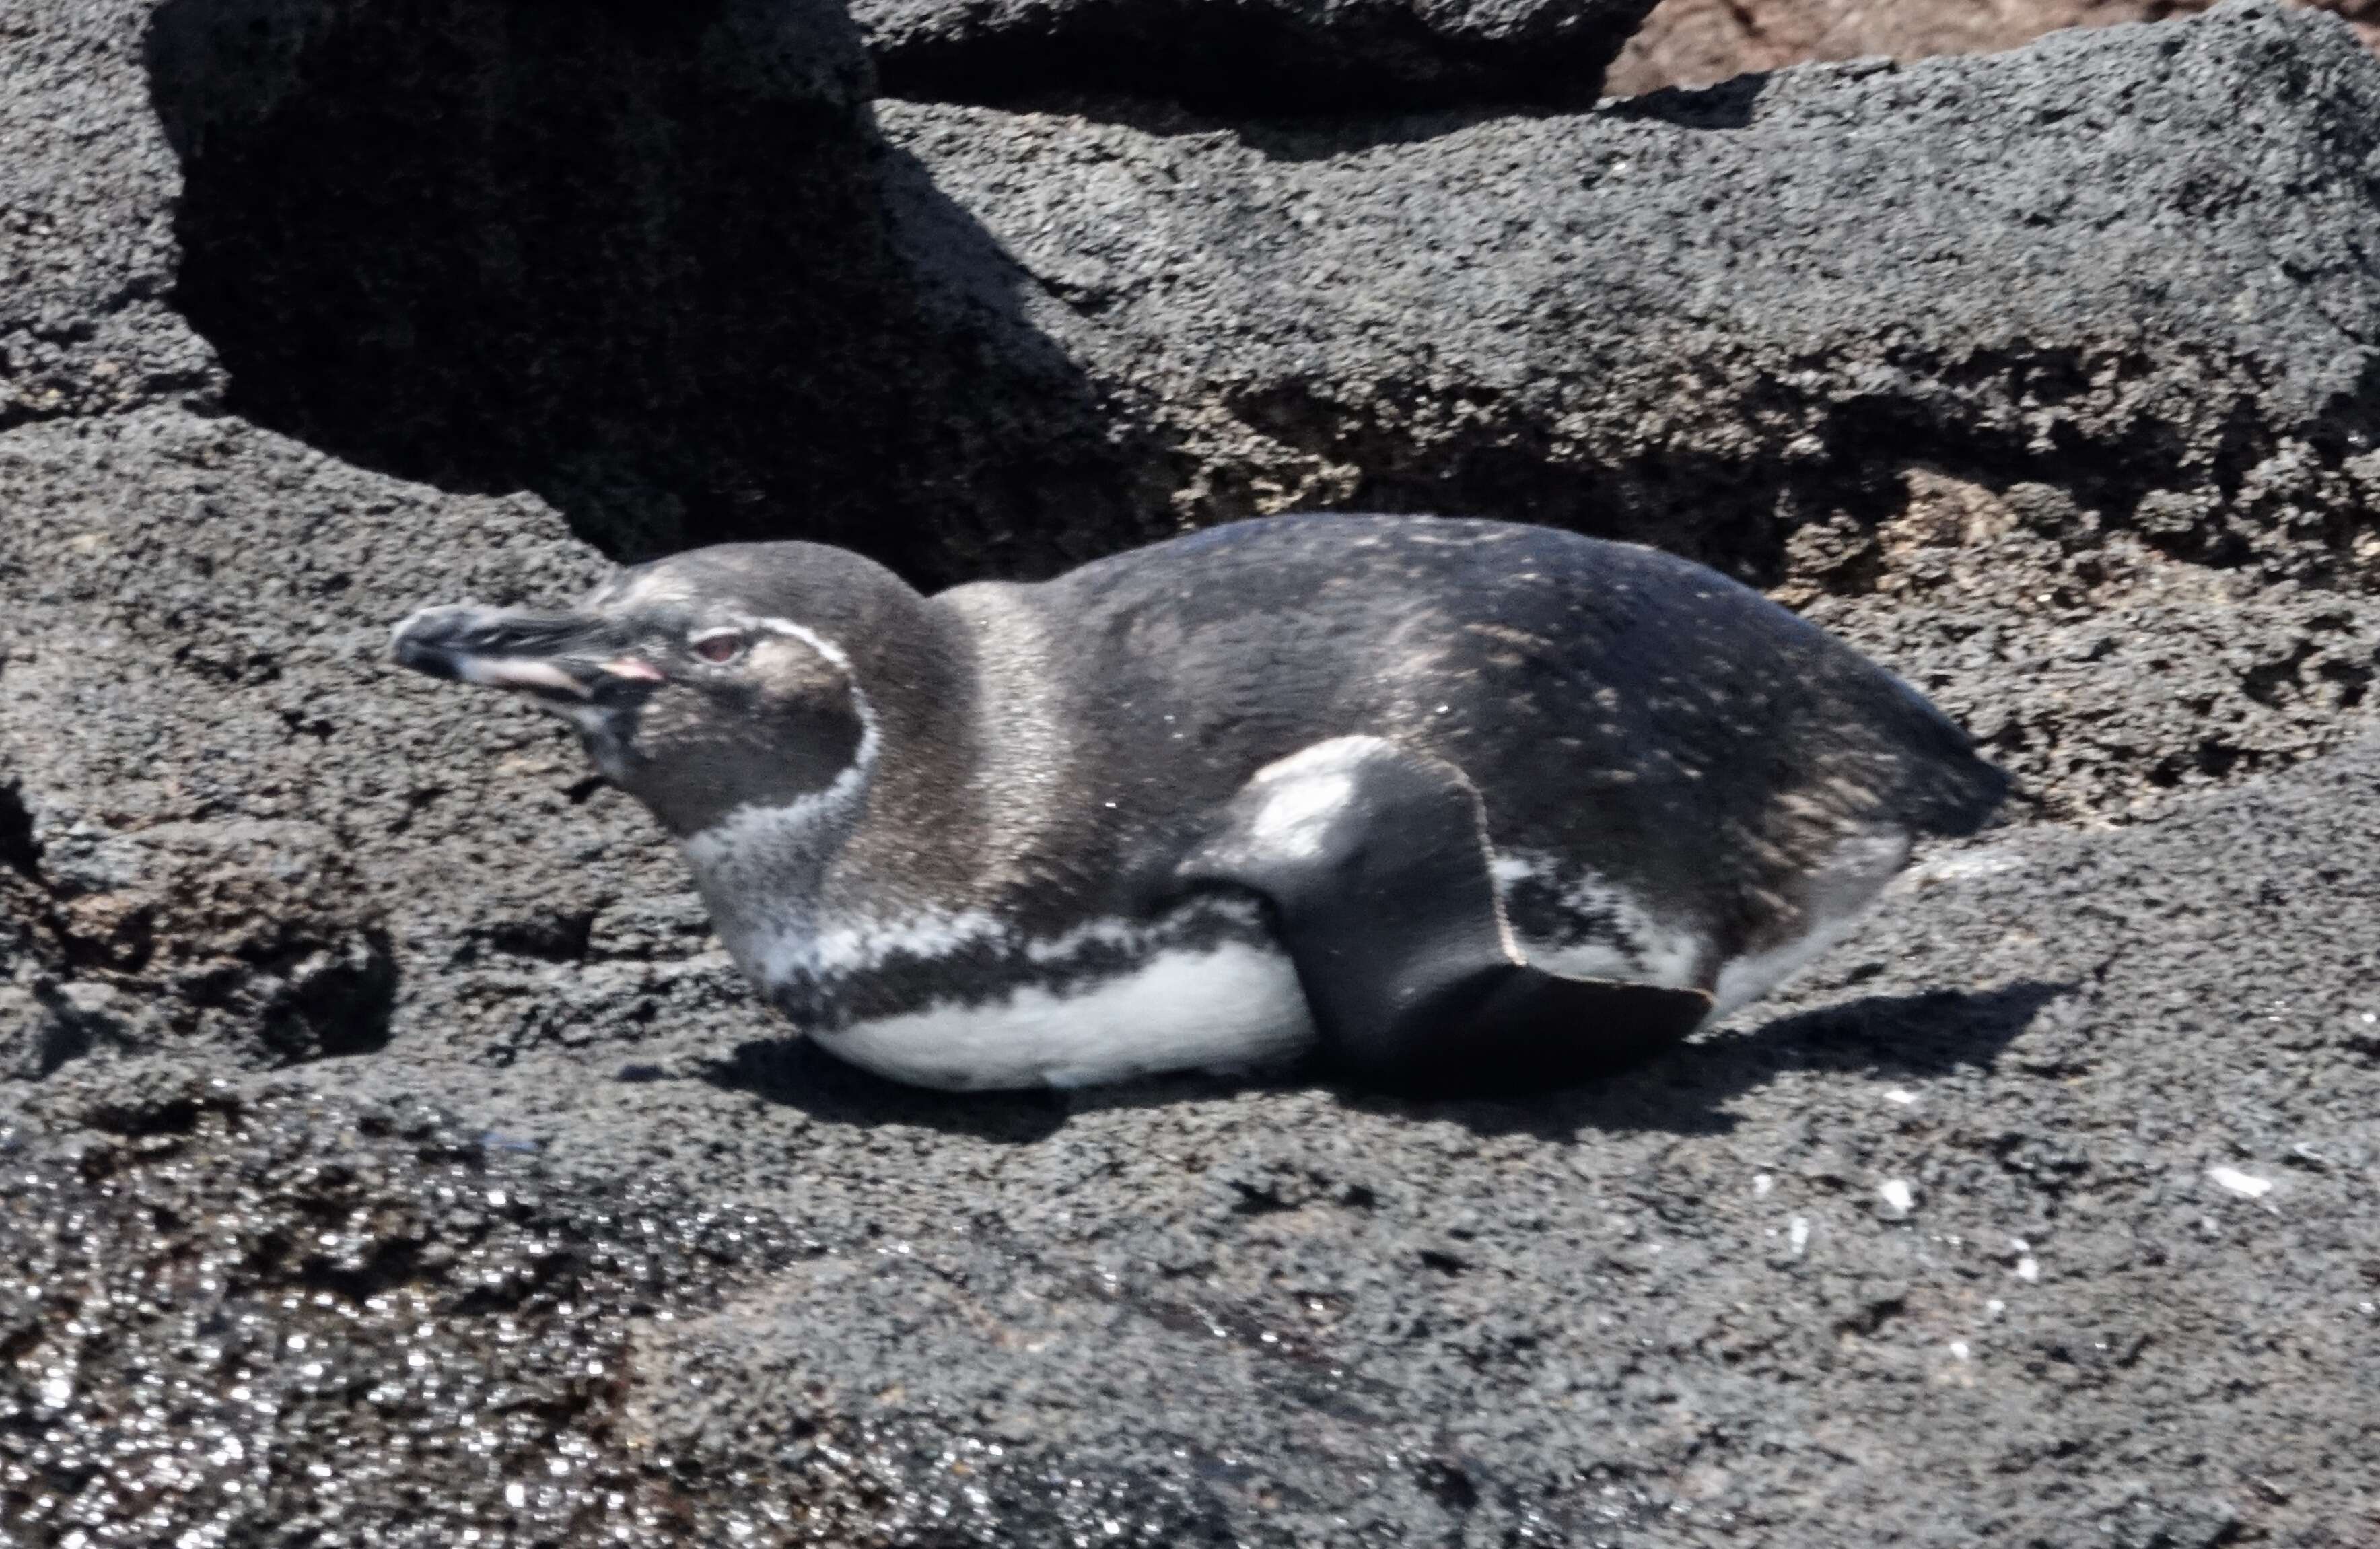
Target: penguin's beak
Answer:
[[555, 656]]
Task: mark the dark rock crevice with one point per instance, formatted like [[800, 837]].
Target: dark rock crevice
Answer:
[[635, 259], [20, 851], [1261, 57]]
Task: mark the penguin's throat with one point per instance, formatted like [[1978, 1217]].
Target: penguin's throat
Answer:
[[763, 873]]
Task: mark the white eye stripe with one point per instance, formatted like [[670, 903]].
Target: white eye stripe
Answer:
[[811, 637], [730, 631]]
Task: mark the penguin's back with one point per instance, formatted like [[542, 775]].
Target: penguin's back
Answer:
[[1607, 699]]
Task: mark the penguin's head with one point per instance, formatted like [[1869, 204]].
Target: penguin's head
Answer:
[[690, 690]]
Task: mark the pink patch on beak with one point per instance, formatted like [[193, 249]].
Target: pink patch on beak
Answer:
[[517, 672], [633, 668]]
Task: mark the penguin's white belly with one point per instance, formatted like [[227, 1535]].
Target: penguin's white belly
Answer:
[[1234, 1004]]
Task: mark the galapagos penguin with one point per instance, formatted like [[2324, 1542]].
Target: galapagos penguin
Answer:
[[1445, 798]]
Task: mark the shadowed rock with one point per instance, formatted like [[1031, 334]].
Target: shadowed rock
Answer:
[[1269, 57], [632, 257]]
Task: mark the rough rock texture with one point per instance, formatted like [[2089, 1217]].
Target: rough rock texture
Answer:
[[1653, 319], [239, 830], [385, 1136], [2106, 673], [85, 238], [1266, 57], [1701, 43], [1680, 1308]]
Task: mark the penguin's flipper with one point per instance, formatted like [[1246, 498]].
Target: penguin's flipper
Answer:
[[1377, 863]]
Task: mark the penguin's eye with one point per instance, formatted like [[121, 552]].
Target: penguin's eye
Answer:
[[721, 645]]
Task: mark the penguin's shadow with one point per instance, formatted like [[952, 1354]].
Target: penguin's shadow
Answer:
[[799, 1074], [1684, 1090]]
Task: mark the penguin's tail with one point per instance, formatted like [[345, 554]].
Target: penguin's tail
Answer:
[[1947, 789], [1962, 797]]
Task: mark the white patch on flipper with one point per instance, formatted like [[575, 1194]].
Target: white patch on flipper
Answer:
[[1301, 794], [1233, 1005], [1340, 756], [1307, 791], [1294, 818]]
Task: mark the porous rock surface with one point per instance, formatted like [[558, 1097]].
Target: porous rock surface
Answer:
[[392, 1156], [1269, 56]]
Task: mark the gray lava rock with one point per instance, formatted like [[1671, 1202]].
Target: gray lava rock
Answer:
[[2121, 262], [1263, 56], [86, 221], [242, 830]]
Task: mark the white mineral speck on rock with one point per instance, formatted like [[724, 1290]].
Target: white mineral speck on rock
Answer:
[[1957, 868], [1798, 1234], [1761, 1183], [2028, 1268], [515, 1494], [1959, 1351], [1898, 1198], [1901, 1096], [2246, 1185]]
